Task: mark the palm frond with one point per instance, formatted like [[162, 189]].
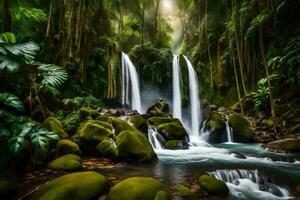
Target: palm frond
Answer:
[[53, 76]]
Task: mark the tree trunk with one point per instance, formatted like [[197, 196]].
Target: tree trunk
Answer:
[[6, 17], [143, 23], [156, 19]]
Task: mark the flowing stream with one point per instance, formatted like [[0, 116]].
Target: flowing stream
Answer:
[[177, 113]]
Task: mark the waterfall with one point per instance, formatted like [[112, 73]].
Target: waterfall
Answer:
[[229, 134], [196, 116], [153, 137], [176, 88], [129, 73], [251, 184]]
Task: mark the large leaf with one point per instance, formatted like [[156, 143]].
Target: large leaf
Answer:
[[7, 38], [16, 144], [12, 101], [40, 137], [53, 76]]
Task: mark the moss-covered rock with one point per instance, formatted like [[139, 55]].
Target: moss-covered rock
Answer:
[[173, 131], [90, 133], [72, 122], [66, 162], [75, 186], [66, 146], [88, 112], [138, 122], [55, 125], [176, 144], [104, 124], [286, 145], [121, 125], [242, 131], [136, 188], [161, 108], [103, 118], [8, 186], [186, 193], [216, 127], [212, 185], [156, 121], [162, 195], [107, 148], [134, 146]]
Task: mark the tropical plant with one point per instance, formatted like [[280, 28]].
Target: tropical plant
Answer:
[[16, 129]]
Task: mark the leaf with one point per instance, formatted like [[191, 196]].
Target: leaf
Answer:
[[12, 101], [4, 133], [15, 145], [53, 76], [8, 38], [9, 64]]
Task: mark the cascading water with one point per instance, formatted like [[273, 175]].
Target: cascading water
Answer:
[[250, 184], [177, 113], [153, 137], [229, 134], [129, 73], [196, 115]]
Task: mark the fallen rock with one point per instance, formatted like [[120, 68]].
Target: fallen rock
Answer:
[[242, 131], [66, 146], [137, 188], [285, 145], [212, 185], [53, 124], [75, 186], [69, 162]]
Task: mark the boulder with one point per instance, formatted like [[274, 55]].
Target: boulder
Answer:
[[136, 188], [242, 131], [176, 144], [161, 108], [212, 185], [86, 112], [216, 127], [285, 145], [186, 193], [67, 162], [107, 148], [75, 186], [173, 131], [156, 121], [72, 122], [162, 195], [134, 146], [55, 125], [121, 125], [66, 146], [138, 122], [91, 133]]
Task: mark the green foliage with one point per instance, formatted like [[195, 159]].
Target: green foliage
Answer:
[[53, 76], [14, 54], [262, 94], [12, 101]]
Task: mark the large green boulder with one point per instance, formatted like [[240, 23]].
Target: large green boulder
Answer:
[[156, 121], [242, 131], [107, 148], [216, 127], [67, 162], [176, 144], [90, 133], [186, 193], [134, 146], [88, 112], [8, 186], [173, 131], [136, 188], [75, 186], [161, 108], [55, 125], [212, 185], [285, 145], [66, 146], [162, 195], [138, 122], [121, 125]]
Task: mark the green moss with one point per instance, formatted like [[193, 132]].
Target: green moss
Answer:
[[175, 144], [107, 148], [156, 121], [75, 186], [132, 145], [86, 101], [241, 128], [138, 122], [88, 112], [72, 122], [55, 125], [121, 125], [212, 185], [216, 123], [136, 188], [162, 195], [103, 118], [64, 147], [286, 145], [66, 162], [104, 124], [173, 131], [186, 193], [91, 133]]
